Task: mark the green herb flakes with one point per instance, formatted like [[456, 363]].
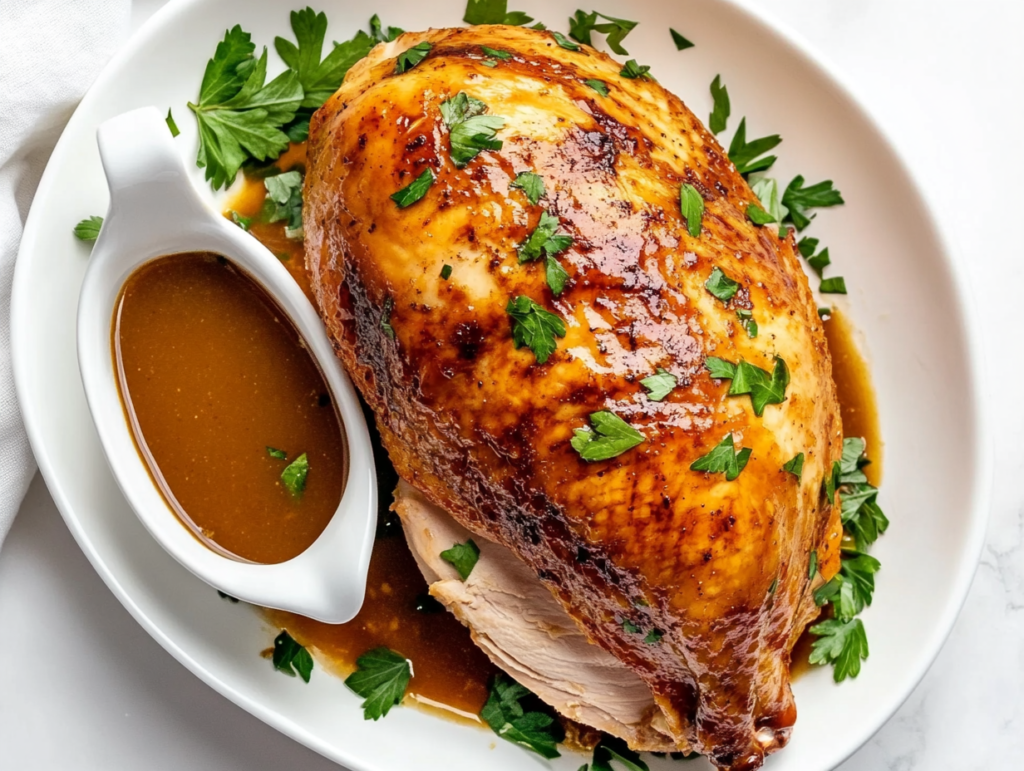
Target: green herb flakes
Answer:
[[819, 261], [495, 53], [691, 206], [635, 71], [721, 286], [723, 459], [834, 285], [531, 184], [411, 57], [720, 109], [844, 644], [582, 25], [749, 157], [654, 637], [746, 319], [534, 327], [544, 239], [767, 191], [89, 228], [764, 389], [414, 191], [385, 318], [462, 557], [608, 437], [276, 454], [629, 627], [599, 86], [284, 191], [493, 12], [799, 200], [659, 385], [795, 466], [294, 475], [681, 42], [470, 131], [564, 42], [171, 124], [381, 678], [508, 713], [759, 216], [812, 565], [446, 272], [612, 748], [290, 657]]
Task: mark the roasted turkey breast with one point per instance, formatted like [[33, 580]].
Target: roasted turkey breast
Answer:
[[699, 582]]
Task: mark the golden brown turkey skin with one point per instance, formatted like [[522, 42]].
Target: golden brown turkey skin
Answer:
[[639, 542]]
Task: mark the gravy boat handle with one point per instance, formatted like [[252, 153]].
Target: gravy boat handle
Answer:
[[155, 211]]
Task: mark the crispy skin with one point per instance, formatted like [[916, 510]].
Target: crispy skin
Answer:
[[483, 430]]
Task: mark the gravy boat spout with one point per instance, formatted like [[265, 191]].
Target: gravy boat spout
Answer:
[[154, 212]]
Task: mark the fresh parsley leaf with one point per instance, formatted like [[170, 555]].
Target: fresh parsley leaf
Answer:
[[634, 71], [381, 678], [832, 482], [721, 286], [799, 199], [470, 132], [410, 57], [767, 191], [764, 389], [834, 285], [859, 510], [294, 475], [243, 222], [852, 589], [415, 190], [807, 246], [812, 565], [379, 35], [581, 25], [564, 42], [290, 657], [599, 86], [459, 108], [611, 748], [534, 327], [720, 110], [385, 317], [819, 261], [825, 313], [795, 466], [555, 274], [284, 191], [629, 627], [462, 557], [505, 713], [681, 42], [446, 272], [759, 216], [854, 458], [495, 53], [654, 637], [89, 228], [747, 322], [720, 368], [723, 459], [240, 115], [691, 206], [544, 239], [493, 12], [531, 184], [840, 643], [276, 454], [610, 437], [660, 384], [750, 156], [171, 124]]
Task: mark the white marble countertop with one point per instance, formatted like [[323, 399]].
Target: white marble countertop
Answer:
[[947, 80]]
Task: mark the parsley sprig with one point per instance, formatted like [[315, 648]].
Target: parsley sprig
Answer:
[[463, 557], [493, 12], [764, 388], [723, 459], [582, 25], [470, 131], [534, 327], [89, 228], [509, 713], [610, 437], [290, 657], [381, 678]]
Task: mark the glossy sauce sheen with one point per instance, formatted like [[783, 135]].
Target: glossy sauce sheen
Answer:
[[216, 374], [450, 669]]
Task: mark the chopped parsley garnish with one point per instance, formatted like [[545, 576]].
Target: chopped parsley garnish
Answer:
[[493, 12], [795, 466], [612, 748], [833, 481], [720, 110], [581, 25], [462, 557], [284, 191], [834, 285], [564, 42], [470, 132], [723, 459], [544, 239], [819, 261], [654, 637], [410, 57], [799, 199], [759, 216], [243, 222], [764, 389], [599, 86], [634, 71], [629, 627], [840, 643], [767, 191], [495, 53], [381, 678], [379, 35], [721, 286], [807, 246], [750, 156], [534, 327], [812, 566], [273, 452], [531, 184], [681, 42], [240, 116], [691, 206], [415, 190], [747, 322], [446, 272], [610, 437], [824, 313], [294, 475], [660, 384], [862, 517], [290, 657], [853, 587], [385, 318], [555, 275], [171, 124], [89, 228], [513, 721]]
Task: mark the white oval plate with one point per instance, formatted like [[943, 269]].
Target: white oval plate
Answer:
[[908, 298]]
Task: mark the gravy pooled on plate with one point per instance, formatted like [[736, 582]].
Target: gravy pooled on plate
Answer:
[[227, 407]]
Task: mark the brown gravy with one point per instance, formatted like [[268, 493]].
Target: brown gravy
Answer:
[[450, 671], [214, 375]]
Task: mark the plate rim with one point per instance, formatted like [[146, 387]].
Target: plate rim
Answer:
[[981, 481]]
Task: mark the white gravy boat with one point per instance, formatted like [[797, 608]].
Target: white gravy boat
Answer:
[[154, 212]]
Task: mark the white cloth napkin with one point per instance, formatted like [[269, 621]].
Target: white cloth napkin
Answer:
[[50, 52]]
